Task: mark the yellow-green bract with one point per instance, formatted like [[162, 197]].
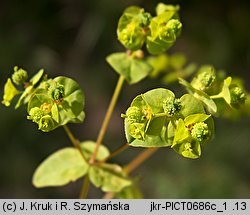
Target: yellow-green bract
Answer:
[[156, 127], [62, 101]]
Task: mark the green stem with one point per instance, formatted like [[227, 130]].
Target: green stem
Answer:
[[85, 188], [107, 118], [215, 96], [74, 141]]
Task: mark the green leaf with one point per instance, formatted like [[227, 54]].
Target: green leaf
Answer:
[[109, 177], [193, 151], [162, 36], [207, 101], [38, 99], [155, 126], [10, 92], [194, 118], [164, 8], [140, 69], [26, 94], [181, 134], [154, 134], [133, 70], [190, 105], [159, 63], [154, 98], [225, 92], [55, 113], [88, 147], [132, 11], [60, 168], [203, 97], [155, 47], [37, 77], [74, 97], [151, 141]]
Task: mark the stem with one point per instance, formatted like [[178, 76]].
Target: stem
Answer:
[[139, 159], [160, 115], [85, 188], [216, 96], [107, 117], [116, 152], [74, 141]]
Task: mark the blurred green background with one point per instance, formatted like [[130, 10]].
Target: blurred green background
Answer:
[[72, 38]]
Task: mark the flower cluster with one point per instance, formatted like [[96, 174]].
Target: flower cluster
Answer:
[[172, 106], [204, 78], [19, 76], [136, 27], [42, 116], [157, 119]]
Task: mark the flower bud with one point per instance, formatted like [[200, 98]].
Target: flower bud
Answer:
[[144, 19], [172, 106], [19, 76], [35, 114], [134, 115], [205, 78], [200, 131], [237, 96], [132, 36], [46, 123], [174, 25], [58, 93]]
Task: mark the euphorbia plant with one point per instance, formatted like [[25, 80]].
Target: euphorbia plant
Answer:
[[154, 119]]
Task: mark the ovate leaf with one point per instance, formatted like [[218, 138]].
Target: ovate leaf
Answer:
[[88, 147], [109, 177], [202, 96], [189, 150], [26, 93], [139, 70], [55, 113], [155, 98], [60, 168], [190, 105], [181, 134], [207, 101], [37, 77], [133, 70], [194, 118], [74, 97]]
